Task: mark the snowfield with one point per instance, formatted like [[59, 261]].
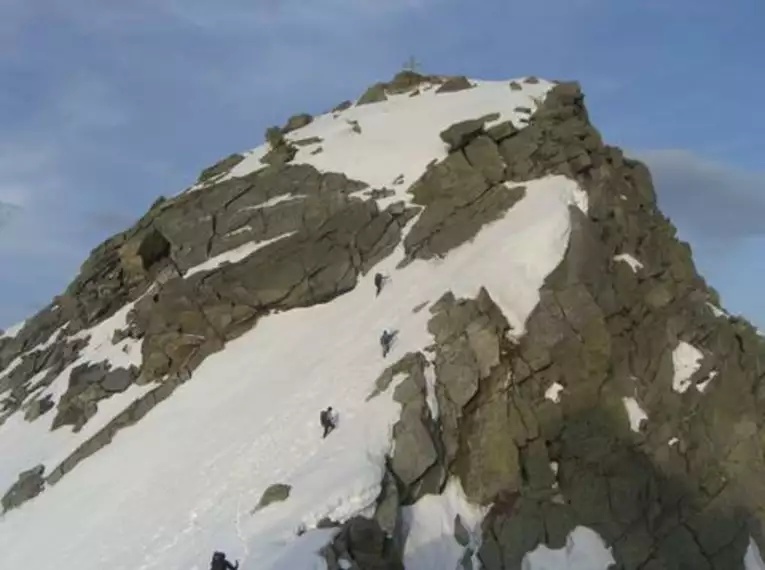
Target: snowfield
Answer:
[[184, 480]]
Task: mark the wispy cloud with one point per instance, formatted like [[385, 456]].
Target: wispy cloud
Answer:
[[714, 201]]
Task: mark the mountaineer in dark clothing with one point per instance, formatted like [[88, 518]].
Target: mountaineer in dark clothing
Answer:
[[386, 340], [379, 282], [219, 562], [327, 421]]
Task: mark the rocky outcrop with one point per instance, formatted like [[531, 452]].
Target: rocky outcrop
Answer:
[[603, 332], [460, 194], [89, 384], [410, 82], [417, 462], [452, 84], [361, 545], [29, 484], [220, 167], [39, 408], [684, 491], [296, 122], [374, 94], [45, 364]]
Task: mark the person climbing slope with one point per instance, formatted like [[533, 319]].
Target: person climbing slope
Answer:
[[327, 420], [386, 340], [219, 562], [380, 280]]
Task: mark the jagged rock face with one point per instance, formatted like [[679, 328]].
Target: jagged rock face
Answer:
[[333, 238], [598, 326], [602, 332]]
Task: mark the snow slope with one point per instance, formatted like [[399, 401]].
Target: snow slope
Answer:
[[197, 464], [399, 137]]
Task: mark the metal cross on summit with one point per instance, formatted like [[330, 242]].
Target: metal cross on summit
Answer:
[[412, 64]]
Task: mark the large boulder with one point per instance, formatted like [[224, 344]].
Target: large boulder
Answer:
[[361, 544], [296, 122], [375, 94], [276, 493]]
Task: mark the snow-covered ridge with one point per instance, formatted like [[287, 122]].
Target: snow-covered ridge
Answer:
[[399, 137]]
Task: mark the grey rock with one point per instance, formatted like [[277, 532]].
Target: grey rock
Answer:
[[459, 83], [536, 465], [276, 493], [308, 141], [39, 408], [501, 131], [461, 534], [515, 86], [483, 155], [118, 380], [297, 122], [374, 94], [220, 167], [361, 544], [460, 134], [29, 484]]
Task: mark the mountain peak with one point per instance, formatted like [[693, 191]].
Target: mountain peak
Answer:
[[524, 365]]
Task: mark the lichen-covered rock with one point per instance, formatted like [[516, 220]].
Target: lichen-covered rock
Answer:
[[459, 83], [29, 484], [276, 493], [296, 122], [374, 94]]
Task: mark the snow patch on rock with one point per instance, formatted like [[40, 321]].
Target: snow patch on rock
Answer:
[[584, 550], [686, 360]]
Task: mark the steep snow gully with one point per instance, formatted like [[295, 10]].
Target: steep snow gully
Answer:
[[184, 481]]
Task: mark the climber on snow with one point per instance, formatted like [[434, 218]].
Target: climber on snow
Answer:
[[219, 562], [380, 280], [386, 340], [327, 420]]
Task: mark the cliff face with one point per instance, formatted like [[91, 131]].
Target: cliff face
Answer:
[[602, 388]]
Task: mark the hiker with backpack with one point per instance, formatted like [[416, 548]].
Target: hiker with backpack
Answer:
[[327, 421]]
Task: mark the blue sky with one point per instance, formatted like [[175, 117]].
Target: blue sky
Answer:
[[106, 104]]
